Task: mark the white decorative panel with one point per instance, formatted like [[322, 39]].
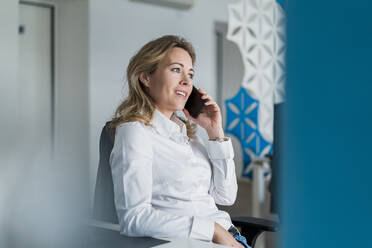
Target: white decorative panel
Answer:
[[258, 29]]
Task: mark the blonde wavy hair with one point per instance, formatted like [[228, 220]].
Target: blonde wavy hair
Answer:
[[139, 106]]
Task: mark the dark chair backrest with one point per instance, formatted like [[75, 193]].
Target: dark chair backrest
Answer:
[[104, 205]]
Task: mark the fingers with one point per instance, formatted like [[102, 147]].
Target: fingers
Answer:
[[202, 91], [211, 106], [211, 102], [236, 244], [204, 94], [209, 99], [239, 245]]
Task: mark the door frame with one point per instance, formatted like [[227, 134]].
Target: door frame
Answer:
[[220, 31], [52, 7]]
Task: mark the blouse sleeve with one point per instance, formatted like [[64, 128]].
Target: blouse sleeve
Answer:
[[223, 184], [131, 166]]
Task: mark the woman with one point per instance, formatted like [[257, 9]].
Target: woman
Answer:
[[166, 182]]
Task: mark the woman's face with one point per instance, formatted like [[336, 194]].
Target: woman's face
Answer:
[[171, 84]]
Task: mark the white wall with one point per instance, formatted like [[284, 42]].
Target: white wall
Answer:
[[72, 110], [8, 75], [71, 103], [8, 100], [118, 28]]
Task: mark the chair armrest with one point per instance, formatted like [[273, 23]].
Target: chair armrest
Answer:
[[256, 223], [251, 227]]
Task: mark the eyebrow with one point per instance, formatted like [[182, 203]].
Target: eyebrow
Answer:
[[191, 69]]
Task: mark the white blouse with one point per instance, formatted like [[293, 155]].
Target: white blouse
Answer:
[[167, 185]]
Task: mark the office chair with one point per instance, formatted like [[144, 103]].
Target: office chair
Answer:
[[104, 205]]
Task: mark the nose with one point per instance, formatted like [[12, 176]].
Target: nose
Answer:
[[186, 80]]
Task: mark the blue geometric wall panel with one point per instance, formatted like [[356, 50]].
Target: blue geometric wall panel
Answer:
[[242, 122]]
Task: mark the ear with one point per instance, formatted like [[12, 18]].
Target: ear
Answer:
[[144, 78]]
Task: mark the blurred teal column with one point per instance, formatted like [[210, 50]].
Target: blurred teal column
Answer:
[[327, 162]]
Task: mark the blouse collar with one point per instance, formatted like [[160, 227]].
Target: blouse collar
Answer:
[[169, 128]]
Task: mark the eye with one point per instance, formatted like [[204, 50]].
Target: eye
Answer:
[[176, 70], [191, 75]]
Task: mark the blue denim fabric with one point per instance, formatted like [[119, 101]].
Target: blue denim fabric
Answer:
[[241, 239]]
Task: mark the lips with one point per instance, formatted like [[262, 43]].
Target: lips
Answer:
[[181, 93]]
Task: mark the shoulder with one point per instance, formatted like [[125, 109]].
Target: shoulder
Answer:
[[132, 126], [135, 130]]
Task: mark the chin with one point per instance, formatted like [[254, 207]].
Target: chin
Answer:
[[178, 107]]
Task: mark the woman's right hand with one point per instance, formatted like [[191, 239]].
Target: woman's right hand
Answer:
[[223, 237]]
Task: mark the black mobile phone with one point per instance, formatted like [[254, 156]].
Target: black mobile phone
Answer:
[[194, 103]]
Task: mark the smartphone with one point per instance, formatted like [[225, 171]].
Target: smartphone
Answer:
[[194, 103]]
